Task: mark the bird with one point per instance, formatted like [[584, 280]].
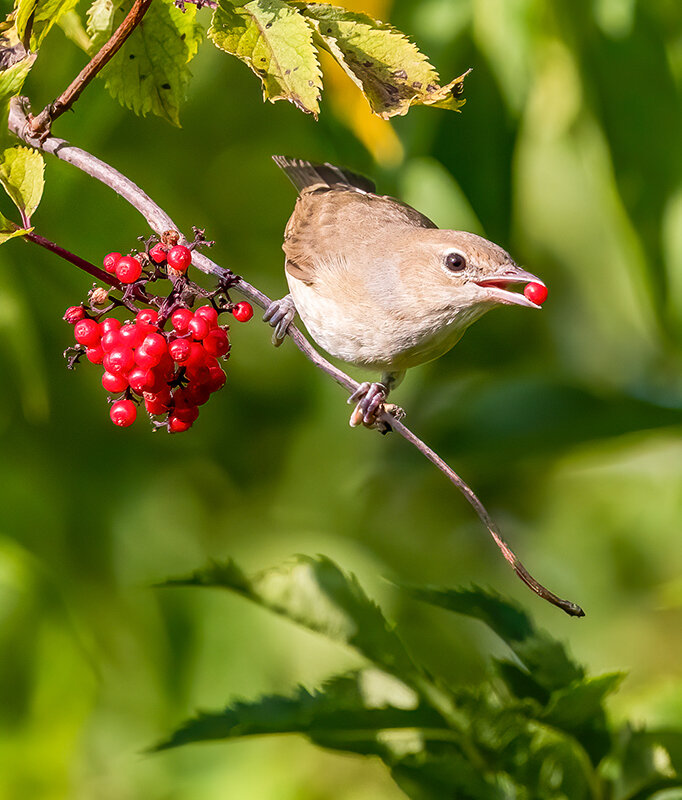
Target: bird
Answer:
[[378, 285]]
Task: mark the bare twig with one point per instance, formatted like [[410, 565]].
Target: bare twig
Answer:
[[39, 126], [159, 221], [77, 261]]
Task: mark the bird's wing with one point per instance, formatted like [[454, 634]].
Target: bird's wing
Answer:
[[338, 217], [305, 175]]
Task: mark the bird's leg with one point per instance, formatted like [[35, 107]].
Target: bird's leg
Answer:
[[370, 399], [279, 314]]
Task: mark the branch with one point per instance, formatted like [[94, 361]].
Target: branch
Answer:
[[159, 221], [77, 261], [40, 126]]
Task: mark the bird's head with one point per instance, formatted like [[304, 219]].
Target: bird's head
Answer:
[[462, 269]]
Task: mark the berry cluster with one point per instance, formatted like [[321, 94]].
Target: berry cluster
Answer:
[[167, 357]]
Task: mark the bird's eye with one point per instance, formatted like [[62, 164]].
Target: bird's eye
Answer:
[[455, 262]]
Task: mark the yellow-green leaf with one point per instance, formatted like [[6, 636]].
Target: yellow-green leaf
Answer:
[[8, 229], [389, 69], [275, 41], [41, 15], [21, 175], [150, 73]]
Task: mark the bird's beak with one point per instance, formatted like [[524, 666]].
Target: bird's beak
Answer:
[[498, 290]]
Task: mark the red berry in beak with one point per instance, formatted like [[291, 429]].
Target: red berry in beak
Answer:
[[536, 293]]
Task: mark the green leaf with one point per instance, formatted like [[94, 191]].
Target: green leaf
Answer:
[[275, 41], [41, 15], [9, 230], [315, 593], [100, 21], [150, 72], [581, 702], [390, 70], [344, 713], [641, 763], [21, 175], [543, 656], [73, 29]]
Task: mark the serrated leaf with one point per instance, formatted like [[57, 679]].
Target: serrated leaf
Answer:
[[21, 175], [543, 656], [581, 702], [275, 41], [341, 713], [100, 21], [390, 70], [315, 593], [41, 15], [72, 26], [9, 230], [150, 72]]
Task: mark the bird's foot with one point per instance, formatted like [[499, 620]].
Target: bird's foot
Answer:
[[370, 399], [280, 313]]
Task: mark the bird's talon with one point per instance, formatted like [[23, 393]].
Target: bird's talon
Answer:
[[280, 314]]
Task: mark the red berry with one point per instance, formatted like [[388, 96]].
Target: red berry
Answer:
[[158, 403], [147, 316], [128, 269], [110, 262], [141, 380], [123, 413], [197, 355], [180, 320], [243, 311], [110, 340], [158, 253], [114, 383], [180, 350], [217, 379], [95, 355], [155, 344], [209, 314], [536, 293], [177, 425], [74, 314], [198, 327], [132, 334], [197, 394], [109, 324], [216, 342], [119, 361], [179, 257], [87, 332], [186, 414]]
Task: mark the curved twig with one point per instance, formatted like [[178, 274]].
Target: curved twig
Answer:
[[159, 221]]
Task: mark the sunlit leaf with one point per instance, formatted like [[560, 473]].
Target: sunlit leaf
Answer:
[[150, 72], [341, 712], [543, 656], [21, 175], [15, 65], [72, 26], [390, 70], [275, 41], [315, 593], [580, 703], [9, 230], [40, 15]]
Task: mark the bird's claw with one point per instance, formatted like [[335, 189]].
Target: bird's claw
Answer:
[[279, 314], [370, 400]]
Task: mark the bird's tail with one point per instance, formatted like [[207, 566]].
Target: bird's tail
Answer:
[[304, 174]]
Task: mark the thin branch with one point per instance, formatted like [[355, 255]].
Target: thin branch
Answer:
[[159, 221], [40, 125], [72, 258]]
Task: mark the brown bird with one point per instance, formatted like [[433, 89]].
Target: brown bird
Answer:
[[377, 284]]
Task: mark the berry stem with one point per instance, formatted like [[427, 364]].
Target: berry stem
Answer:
[[72, 258], [159, 221], [40, 125]]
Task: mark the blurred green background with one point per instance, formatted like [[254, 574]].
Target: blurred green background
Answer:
[[566, 421]]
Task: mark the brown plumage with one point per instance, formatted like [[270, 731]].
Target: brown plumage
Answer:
[[376, 283]]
